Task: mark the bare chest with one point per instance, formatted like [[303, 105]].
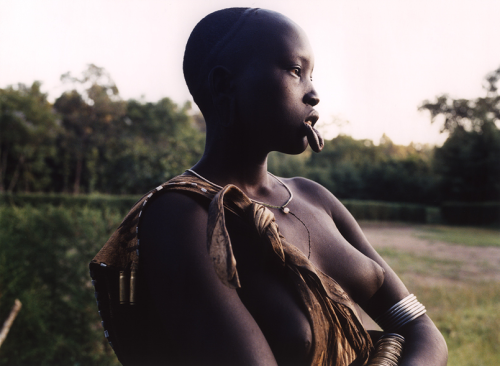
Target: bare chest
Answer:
[[313, 231], [268, 294]]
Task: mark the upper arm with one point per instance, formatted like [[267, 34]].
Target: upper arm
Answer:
[[210, 323], [424, 343]]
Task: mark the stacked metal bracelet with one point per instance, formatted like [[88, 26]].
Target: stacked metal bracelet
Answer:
[[388, 350], [401, 313]]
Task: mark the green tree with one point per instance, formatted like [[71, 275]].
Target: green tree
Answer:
[[44, 255], [110, 145], [468, 163], [358, 169], [156, 142], [89, 117], [28, 128]]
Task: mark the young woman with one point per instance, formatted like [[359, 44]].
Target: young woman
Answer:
[[239, 267]]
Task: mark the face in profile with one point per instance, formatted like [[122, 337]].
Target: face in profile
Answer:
[[274, 92]]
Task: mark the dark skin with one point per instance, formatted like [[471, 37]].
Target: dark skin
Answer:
[[258, 106]]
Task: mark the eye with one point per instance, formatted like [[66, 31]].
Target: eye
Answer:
[[296, 71]]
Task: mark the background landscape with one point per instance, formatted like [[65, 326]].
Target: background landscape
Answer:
[[71, 169], [73, 161]]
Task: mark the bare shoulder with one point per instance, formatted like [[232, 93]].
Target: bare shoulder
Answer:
[[312, 193], [173, 242], [316, 194], [171, 217], [195, 308], [173, 202], [172, 234]]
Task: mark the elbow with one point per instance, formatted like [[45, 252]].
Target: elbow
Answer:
[[439, 346], [425, 345], [442, 348]]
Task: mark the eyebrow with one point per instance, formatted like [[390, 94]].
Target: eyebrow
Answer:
[[305, 59]]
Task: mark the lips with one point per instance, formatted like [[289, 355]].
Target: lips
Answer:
[[314, 138]]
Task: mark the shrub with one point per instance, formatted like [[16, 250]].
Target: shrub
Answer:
[[471, 213], [384, 211], [98, 201], [44, 255]]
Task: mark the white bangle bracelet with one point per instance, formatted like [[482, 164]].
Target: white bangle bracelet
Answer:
[[401, 313]]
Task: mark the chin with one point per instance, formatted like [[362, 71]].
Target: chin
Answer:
[[296, 149]]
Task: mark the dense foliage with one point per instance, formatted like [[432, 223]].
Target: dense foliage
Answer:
[[90, 140], [467, 166], [358, 169], [28, 130], [44, 255]]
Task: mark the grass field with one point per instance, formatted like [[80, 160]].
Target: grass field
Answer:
[[470, 236], [455, 273]]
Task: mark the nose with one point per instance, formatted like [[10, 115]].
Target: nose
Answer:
[[311, 98]]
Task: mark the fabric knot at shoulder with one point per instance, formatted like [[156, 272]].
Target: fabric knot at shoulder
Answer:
[[219, 243]]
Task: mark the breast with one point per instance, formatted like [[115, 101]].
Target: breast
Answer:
[[268, 294], [275, 307], [358, 275]]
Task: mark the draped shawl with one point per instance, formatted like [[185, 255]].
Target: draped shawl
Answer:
[[338, 336]]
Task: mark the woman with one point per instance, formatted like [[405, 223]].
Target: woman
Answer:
[[289, 259]]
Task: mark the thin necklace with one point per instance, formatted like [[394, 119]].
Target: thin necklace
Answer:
[[283, 207]]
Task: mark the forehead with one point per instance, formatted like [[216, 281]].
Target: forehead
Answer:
[[270, 35]]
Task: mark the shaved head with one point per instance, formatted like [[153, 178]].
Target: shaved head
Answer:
[[210, 36], [229, 38]]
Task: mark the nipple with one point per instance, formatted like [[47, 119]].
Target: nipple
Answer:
[[314, 138]]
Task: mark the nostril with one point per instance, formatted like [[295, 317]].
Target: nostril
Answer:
[[314, 101], [311, 98]]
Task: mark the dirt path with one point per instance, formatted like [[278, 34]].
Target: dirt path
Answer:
[[465, 263]]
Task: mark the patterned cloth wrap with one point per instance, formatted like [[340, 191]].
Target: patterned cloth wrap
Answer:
[[338, 336]]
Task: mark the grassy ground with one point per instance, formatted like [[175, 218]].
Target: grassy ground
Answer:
[[469, 318], [470, 236], [465, 307]]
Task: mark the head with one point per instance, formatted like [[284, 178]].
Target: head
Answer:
[[253, 68]]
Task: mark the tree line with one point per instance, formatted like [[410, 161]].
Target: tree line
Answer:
[[90, 140]]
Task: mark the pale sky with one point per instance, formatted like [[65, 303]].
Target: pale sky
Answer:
[[376, 61]]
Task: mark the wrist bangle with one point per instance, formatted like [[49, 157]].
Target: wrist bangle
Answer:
[[388, 350], [401, 313]]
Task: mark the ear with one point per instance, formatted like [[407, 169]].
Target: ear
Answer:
[[221, 89]]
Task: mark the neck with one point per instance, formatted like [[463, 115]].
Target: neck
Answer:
[[248, 174], [232, 161]]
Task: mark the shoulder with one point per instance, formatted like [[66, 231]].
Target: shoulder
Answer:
[[316, 194], [194, 307], [172, 230], [175, 203], [173, 244]]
